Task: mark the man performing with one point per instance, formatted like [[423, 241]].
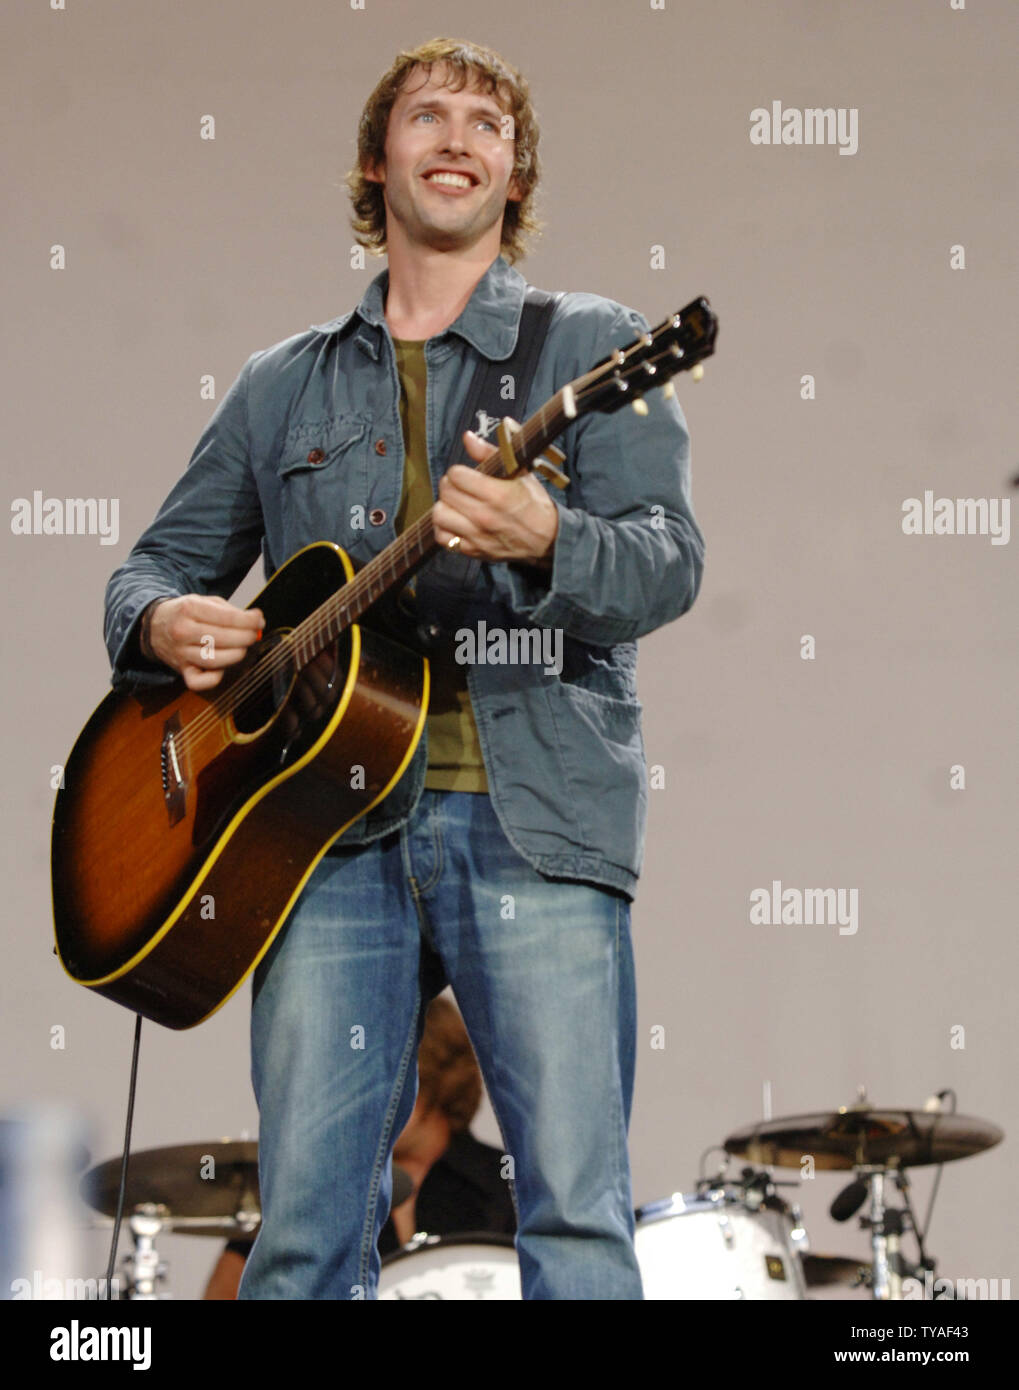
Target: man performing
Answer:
[[505, 859]]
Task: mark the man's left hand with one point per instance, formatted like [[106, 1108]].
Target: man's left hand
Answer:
[[495, 518]]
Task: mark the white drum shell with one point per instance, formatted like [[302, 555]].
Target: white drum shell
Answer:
[[439, 1267], [715, 1247]]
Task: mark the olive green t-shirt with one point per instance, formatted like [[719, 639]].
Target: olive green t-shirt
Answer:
[[454, 749]]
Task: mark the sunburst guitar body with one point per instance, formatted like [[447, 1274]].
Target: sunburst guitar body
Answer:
[[188, 823]]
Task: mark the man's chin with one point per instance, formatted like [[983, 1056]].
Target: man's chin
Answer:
[[451, 238]]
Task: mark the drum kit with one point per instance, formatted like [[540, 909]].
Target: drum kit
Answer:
[[731, 1237]]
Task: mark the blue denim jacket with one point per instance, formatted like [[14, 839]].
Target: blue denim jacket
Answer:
[[563, 750]]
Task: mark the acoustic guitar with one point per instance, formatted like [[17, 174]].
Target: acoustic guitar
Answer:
[[188, 823]]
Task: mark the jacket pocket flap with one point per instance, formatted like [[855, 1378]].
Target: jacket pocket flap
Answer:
[[313, 445]]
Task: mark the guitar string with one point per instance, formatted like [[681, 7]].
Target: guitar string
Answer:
[[323, 618]]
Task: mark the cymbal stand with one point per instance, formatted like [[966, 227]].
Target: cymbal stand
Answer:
[[886, 1225], [143, 1268]]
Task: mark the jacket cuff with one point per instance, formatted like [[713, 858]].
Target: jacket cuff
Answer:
[[131, 668], [544, 598]]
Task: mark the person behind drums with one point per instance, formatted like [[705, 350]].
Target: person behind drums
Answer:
[[458, 1183]]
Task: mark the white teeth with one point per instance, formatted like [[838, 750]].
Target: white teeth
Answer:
[[454, 180]]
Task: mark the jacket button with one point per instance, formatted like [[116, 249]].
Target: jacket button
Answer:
[[376, 516], [316, 456], [380, 446]]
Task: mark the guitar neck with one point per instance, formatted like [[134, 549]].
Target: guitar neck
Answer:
[[399, 561]]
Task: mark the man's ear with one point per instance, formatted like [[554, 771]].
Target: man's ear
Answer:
[[374, 173], [513, 193]]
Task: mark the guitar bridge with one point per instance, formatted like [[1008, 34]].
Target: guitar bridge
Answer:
[[175, 788]]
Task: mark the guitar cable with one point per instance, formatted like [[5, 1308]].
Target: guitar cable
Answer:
[[124, 1160]]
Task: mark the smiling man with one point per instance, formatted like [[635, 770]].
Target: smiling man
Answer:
[[505, 860]]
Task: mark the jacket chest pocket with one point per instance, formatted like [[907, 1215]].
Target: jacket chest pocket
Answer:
[[323, 479]]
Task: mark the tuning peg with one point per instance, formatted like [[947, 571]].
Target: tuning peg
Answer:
[[697, 372], [668, 390], [639, 406]]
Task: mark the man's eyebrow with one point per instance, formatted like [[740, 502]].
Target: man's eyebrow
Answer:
[[481, 107]]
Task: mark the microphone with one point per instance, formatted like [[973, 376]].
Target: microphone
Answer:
[[849, 1201]]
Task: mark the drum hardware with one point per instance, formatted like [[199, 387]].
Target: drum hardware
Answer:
[[143, 1269], [206, 1189], [758, 1190], [187, 1189], [878, 1146]]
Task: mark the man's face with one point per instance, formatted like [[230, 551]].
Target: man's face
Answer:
[[448, 169]]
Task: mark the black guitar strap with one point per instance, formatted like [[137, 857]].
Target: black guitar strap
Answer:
[[445, 584], [486, 400]]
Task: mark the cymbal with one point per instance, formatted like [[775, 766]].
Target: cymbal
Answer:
[[203, 1189], [213, 1180], [821, 1270], [849, 1137]]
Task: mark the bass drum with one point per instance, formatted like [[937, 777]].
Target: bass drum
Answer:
[[713, 1245], [472, 1266]]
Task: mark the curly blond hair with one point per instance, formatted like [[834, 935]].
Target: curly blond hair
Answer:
[[465, 63]]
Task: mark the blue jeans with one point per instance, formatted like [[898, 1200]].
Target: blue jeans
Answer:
[[543, 974]]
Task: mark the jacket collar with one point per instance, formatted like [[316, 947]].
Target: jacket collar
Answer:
[[490, 320]]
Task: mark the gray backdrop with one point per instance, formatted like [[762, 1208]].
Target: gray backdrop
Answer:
[[184, 255]]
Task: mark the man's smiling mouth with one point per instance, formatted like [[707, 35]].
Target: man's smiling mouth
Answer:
[[450, 180]]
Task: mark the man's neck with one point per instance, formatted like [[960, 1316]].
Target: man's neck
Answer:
[[429, 290]]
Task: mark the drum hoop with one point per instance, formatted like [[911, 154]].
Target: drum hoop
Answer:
[[435, 1242], [693, 1203]]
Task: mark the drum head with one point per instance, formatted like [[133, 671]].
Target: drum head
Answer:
[[467, 1267]]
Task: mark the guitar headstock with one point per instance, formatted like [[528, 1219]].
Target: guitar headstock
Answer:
[[679, 343]]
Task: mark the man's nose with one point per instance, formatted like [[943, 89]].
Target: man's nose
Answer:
[[457, 135]]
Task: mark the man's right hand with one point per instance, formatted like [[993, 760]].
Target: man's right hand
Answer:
[[200, 634]]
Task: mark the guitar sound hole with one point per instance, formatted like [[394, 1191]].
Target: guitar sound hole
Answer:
[[270, 672]]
